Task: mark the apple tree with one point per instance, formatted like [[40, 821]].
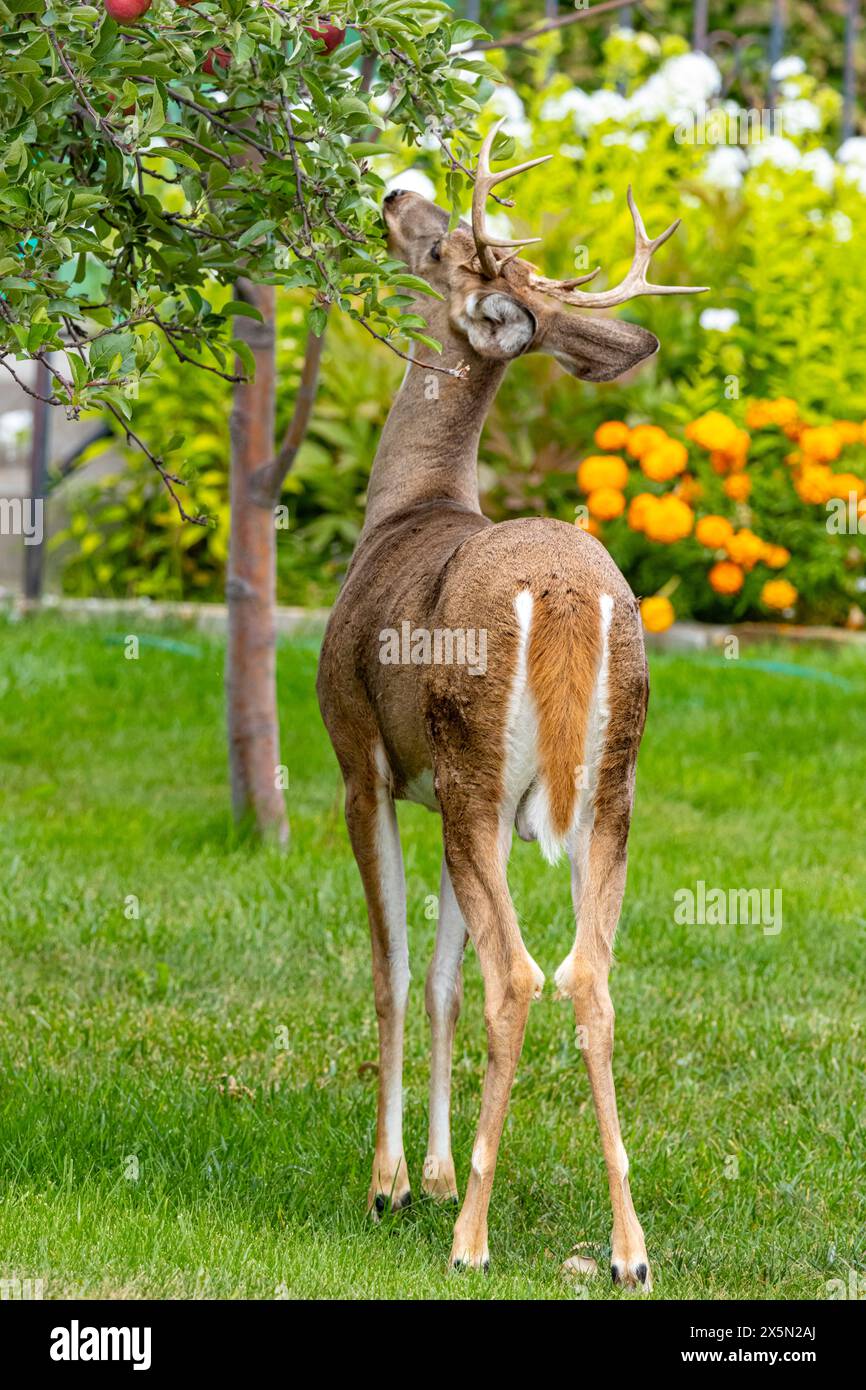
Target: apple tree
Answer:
[[153, 152]]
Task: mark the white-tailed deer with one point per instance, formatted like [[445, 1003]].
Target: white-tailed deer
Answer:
[[542, 735]]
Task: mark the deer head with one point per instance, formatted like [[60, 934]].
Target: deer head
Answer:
[[501, 305]]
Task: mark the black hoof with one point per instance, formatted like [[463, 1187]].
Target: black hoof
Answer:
[[486, 1266], [458, 1265], [641, 1273], [614, 1274], [405, 1201], [379, 1204]]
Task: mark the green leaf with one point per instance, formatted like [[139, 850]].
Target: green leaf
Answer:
[[239, 307], [156, 116], [258, 229], [367, 149], [414, 282], [244, 352]]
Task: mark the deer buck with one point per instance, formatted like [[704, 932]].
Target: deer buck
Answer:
[[545, 740]]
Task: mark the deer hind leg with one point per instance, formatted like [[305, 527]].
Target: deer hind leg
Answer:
[[444, 994], [598, 881], [372, 824], [476, 850]]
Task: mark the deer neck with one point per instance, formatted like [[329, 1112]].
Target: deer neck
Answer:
[[429, 445]]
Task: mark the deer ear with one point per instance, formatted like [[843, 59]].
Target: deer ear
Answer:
[[596, 349], [497, 325]]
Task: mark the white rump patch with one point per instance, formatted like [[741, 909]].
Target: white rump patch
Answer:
[[521, 721]]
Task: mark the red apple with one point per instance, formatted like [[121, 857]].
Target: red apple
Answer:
[[330, 35], [127, 11], [221, 56]]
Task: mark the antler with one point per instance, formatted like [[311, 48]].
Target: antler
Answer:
[[485, 182], [635, 282]]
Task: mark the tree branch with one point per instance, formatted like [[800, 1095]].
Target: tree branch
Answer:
[[551, 25], [169, 479]]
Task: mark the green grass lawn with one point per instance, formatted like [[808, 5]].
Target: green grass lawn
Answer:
[[185, 1109]]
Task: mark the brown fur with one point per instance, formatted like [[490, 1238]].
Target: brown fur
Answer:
[[562, 666]]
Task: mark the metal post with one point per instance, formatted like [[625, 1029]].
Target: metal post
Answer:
[[777, 43], [701, 25], [34, 555], [849, 81]]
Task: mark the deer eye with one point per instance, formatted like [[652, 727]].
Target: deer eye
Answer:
[[435, 253]]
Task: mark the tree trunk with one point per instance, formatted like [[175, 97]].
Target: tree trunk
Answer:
[[251, 690], [34, 555]]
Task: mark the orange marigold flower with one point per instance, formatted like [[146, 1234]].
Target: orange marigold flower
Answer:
[[778, 593], [758, 415], [782, 411], [745, 548], [785, 410], [602, 470], [738, 487], [776, 556], [657, 613], [669, 521], [848, 431], [815, 483], [739, 450], [713, 431], [638, 509], [714, 531], [664, 461], [613, 434], [726, 578], [644, 437], [821, 443], [844, 484], [605, 503]]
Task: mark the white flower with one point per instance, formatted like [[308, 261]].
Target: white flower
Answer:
[[635, 140], [822, 167], [413, 181], [682, 85], [843, 227], [558, 107], [724, 167], [721, 320], [796, 117], [856, 174], [791, 66], [648, 44], [587, 109], [505, 102], [853, 151], [776, 150], [852, 156]]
